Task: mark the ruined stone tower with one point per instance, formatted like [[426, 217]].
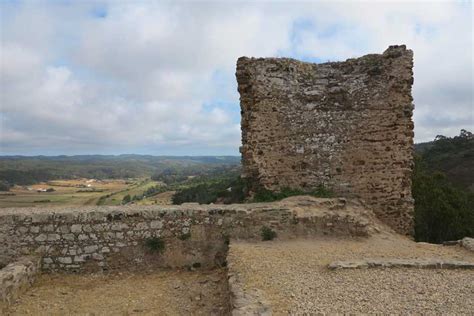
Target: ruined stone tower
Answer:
[[346, 125]]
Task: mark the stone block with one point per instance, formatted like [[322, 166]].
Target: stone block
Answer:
[[41, 237], [48, 228], [64, 229], [54, 237], [82, 237], [91, 249], [156, 224], [68, 237], [76, 228], [65, 260]]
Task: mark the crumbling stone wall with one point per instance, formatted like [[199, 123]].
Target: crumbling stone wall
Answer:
[[95, 238], [346, 125]]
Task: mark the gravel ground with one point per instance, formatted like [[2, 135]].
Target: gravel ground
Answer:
[[293, 278], [154, 293]]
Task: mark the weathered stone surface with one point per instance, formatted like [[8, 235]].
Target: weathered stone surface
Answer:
[[65, 260], [76, 228], [120, 233], [346, 125], [15, 278], [401, 263], [245, 301], [468, 243]]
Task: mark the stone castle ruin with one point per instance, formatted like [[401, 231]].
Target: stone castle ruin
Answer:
[[345, 125]]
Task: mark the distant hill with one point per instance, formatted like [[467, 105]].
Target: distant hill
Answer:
[[454, 156], [23, 170]]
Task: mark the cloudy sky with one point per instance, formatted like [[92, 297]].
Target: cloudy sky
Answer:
[[112, 77]]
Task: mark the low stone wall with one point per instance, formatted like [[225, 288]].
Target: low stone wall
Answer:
[[244, 301], [401, 263], [94, 238], [16, 278]]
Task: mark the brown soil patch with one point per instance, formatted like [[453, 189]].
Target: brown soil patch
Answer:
[[154, 293]]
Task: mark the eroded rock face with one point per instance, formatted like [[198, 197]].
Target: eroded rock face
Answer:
[[346, 125], [15, 278]]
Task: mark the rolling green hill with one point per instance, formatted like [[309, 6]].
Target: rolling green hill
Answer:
[[453, 156], [24, 170]]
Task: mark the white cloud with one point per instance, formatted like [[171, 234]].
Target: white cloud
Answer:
[[159, 77]]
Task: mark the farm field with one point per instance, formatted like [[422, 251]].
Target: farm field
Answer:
[[75, 192], [136, 188], [164, 198]]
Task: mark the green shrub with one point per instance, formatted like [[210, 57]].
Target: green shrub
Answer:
[[442, 211], [322, 192], [226, 238], [228, 189], [42, 201], [185, 236], [155, 244], [4, 186], [126, 199], [205, 190], [264, 195], [267, 233]]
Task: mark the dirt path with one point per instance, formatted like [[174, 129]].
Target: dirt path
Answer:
[[156, 293], [292, 277]]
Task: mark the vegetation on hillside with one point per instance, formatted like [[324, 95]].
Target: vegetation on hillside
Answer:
[[453, 156], [21, 170], [149, 192], [223, 186], [444, 203], [5, 186], [230, 188], [264, 195]]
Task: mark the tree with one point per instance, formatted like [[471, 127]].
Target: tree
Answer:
[[465, 134], [126, 199], [442, 211], [4, 186]]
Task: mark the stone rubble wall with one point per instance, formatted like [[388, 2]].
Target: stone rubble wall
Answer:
[[244, 301], [346, 125], [401, 263], [15, 278], [94, 238]]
